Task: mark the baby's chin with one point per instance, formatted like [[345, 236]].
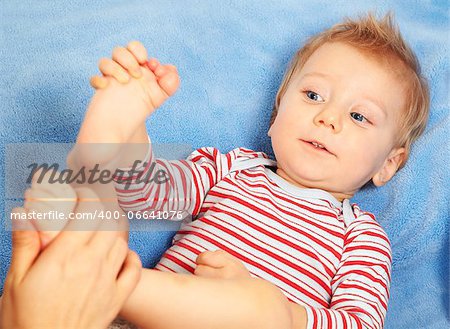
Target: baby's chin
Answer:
[[301, 180], [339, 191]]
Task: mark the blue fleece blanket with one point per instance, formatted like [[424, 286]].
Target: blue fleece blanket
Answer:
[[231, 56]]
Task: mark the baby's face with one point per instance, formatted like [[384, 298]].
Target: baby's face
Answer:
[[348, 103]]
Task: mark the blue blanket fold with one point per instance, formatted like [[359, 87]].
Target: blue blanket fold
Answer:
[[231, 56]]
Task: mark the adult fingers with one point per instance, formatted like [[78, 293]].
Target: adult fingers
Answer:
[[117, 254], [98, 82], [138, 50], [110, 67], [47, 237], [48, 208], [25, 243], [129, 276], [107, 236], [86, 222], [126, 59]]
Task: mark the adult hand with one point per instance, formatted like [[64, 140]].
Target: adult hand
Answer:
[[81, 279]]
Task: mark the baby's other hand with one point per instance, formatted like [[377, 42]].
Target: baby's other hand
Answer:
[[220, 264], [51, 202], [126, 62]]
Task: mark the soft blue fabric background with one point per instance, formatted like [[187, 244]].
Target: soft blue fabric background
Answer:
[[231, 56]]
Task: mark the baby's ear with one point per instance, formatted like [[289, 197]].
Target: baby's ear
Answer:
[[390, 166]]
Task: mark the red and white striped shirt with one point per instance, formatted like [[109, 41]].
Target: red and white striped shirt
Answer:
[[328, 256]]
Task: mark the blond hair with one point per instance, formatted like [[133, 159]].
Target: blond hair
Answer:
[[381, 40]]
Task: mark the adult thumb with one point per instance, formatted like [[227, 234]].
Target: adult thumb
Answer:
[[25, 243]]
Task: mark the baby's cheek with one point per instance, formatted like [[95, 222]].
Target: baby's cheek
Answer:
[[359, 170]]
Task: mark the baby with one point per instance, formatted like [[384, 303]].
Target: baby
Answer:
[[273, 244]]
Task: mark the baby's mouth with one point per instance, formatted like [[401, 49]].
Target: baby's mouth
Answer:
[[318, 146]]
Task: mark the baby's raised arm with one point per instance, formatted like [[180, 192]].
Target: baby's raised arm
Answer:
[[117, 112]]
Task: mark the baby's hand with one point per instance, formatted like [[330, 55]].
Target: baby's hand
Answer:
[[220, 264], [126, 63], [48, 200]]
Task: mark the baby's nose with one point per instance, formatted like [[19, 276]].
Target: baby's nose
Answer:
[[329, 118]]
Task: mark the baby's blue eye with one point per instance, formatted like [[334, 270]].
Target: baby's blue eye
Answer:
[[358, 117], [314, 96]]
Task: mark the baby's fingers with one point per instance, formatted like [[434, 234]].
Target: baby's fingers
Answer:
[[152, 64], [207, 271], [169, 82], [111, 68], [159, 69], [166, 75]]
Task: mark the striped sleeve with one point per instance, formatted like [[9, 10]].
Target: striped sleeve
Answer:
[[360, 288], [180, 185]]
